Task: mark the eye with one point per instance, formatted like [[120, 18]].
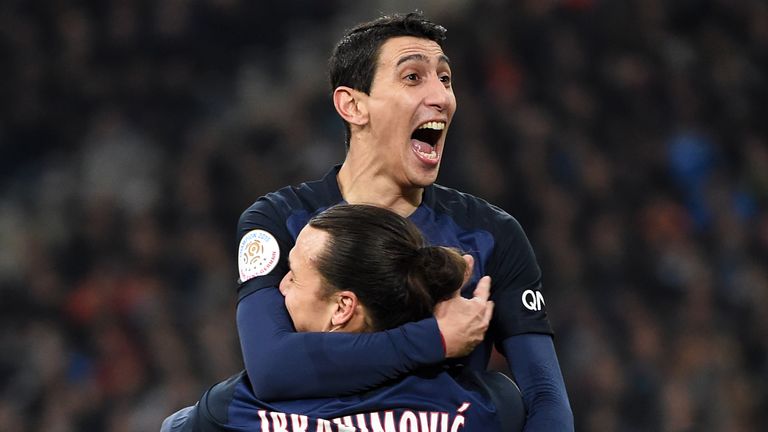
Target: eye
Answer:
[[412, 77], [445, 79]]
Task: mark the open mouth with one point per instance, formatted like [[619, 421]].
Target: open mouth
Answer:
[[425, 138]]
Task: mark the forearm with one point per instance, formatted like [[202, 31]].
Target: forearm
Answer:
[[283, 364], [533, 362]]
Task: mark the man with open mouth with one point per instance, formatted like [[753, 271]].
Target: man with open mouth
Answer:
[[392, 88]]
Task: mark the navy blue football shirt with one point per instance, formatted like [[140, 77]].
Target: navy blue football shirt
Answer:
[[427, 400], [283, 364]]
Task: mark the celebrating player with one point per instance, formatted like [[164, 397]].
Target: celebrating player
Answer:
[[392, 87], [358, 268]]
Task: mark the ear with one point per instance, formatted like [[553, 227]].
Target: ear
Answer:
[[350, 104], [470, 261], [346, 306]]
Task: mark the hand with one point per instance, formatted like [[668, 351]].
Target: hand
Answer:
[[463, 322]]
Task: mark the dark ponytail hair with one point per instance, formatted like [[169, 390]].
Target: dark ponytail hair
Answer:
[[383, 259]]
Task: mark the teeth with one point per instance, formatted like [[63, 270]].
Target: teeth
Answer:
[[431, 155], [436, 125]]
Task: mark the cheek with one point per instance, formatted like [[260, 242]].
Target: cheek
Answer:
[[297, 312], [394, 114], [453, 105], [291, 303]]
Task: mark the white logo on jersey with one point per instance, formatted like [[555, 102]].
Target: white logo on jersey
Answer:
[[533, 300], [258, 254], [377, 421]]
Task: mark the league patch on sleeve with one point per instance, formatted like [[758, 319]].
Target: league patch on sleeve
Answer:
[[258, 254]]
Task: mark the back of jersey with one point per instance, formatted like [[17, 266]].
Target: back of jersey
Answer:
[[429, 401]]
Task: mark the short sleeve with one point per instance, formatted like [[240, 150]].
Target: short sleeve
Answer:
[[263, 244], [516, 282]]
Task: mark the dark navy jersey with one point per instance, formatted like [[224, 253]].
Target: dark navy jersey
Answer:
[[267, 231], [426, 400]]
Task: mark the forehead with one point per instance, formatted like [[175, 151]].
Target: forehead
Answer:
[[399, 47], [309, 244]]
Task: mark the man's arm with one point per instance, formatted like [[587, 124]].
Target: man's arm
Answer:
[[522, 327], [533, 362], [284, 364]]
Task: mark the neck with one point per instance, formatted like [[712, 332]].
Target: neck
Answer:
[[368, 183]]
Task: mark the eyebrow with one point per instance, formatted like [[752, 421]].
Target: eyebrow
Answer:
[[422, 58]]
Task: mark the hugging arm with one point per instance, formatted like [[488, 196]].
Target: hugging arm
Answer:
[[284, 364]]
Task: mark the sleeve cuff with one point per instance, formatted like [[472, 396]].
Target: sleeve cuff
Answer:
[[422, 344]]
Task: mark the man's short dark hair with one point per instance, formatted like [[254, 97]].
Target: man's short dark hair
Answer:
[[353, 62]]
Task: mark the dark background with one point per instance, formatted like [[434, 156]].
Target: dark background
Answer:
[[629, 138]]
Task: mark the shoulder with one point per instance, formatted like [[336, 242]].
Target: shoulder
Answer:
[[275, 207], [470, 211], [215, 403]]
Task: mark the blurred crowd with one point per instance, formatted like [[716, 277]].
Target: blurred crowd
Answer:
[[625, 136]]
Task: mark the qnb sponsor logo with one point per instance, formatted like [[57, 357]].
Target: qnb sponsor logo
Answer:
[[533, 300], [383, 421]]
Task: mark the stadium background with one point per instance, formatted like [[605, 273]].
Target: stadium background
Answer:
[[625, 136]]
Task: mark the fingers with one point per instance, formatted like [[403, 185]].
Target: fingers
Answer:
[[483, 288], [464, 322], [482, 293], [489, 311]]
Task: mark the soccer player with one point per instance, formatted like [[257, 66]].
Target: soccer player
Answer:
[[358, 268], [392, 87]]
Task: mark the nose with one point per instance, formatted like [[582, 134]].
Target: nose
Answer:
[[283, 284], [438, 95]]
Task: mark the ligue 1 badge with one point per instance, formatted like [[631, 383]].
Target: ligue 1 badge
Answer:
[[258, 254]]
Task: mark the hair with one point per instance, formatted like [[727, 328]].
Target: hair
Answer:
[[353, 61], [382, 257]]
